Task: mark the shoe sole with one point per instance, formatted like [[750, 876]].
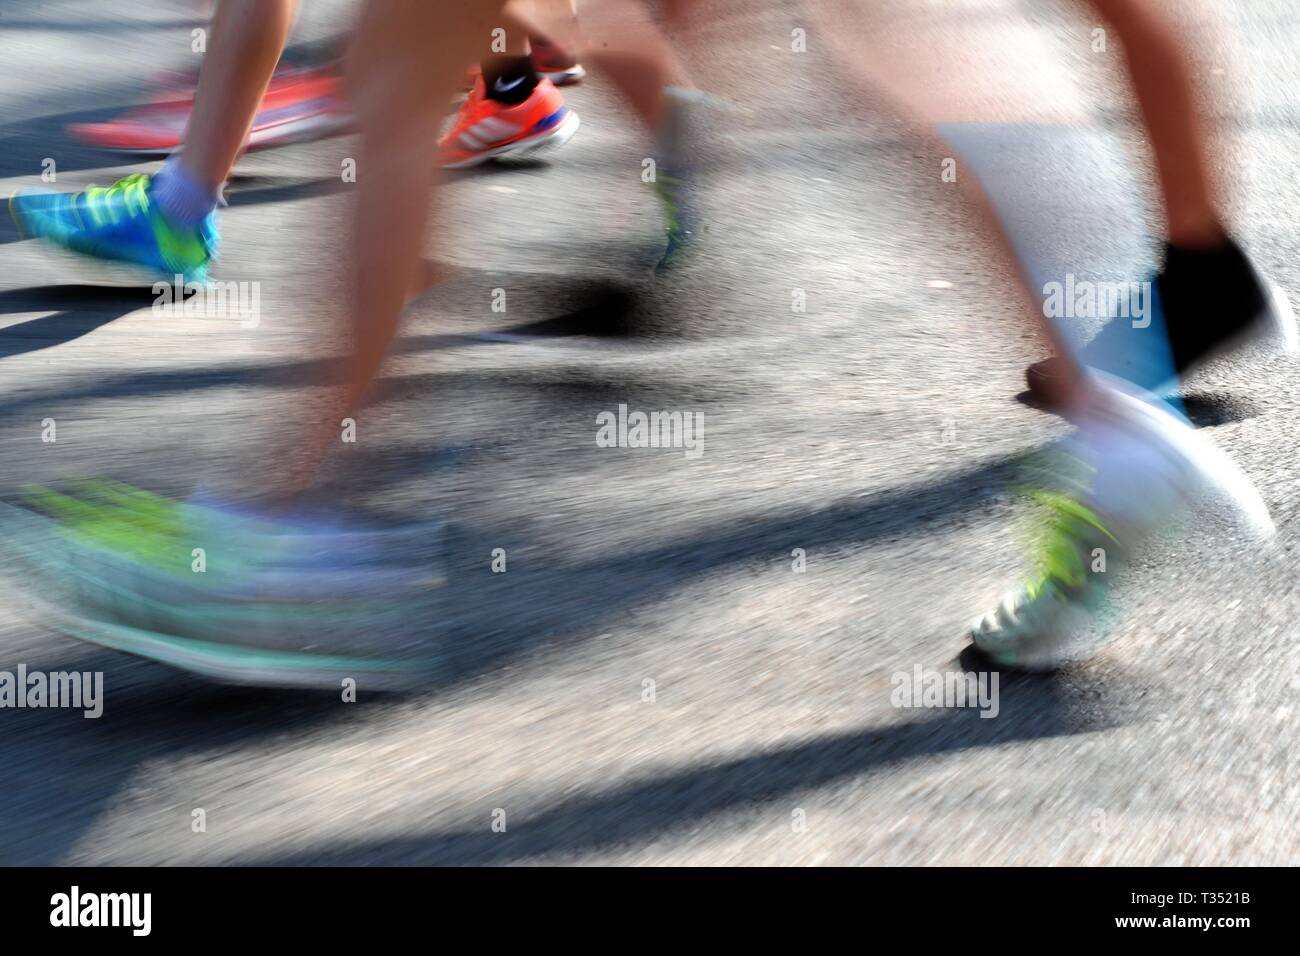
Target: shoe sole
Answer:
[[551, 139], [1049, 651], [245, 666]]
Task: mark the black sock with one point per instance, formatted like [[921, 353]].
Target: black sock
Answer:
[[509, 79], [1209, 296]]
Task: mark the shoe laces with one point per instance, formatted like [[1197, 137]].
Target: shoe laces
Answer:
[[129, 194]]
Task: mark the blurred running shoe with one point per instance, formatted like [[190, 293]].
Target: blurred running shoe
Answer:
[[120, 224], [1141, 465], [555, 64], [550, 62], [677, 143], [299, 105], [486, 129], [1049, 618], [1209, 303], [306, 600], [676, 196]]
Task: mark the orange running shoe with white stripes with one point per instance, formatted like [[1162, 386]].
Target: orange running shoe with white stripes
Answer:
[[485, 129]]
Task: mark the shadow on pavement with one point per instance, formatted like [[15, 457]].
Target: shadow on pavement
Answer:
[[1203, 410], [78, 310], [1033, 708], [150, 713]]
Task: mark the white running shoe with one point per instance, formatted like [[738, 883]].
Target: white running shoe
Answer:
[[1144, 465]]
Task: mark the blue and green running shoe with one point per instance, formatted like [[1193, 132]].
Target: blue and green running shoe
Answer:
[[122, 224], [287, 601], [1049, 618]]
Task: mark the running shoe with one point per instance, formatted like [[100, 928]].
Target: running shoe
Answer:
[[1138, 466], [1209, 303], [486, 129], [549, 61], [299, 104], [676, 195], [555, 64], [1054, 615], [121, 224], [678, 143], [298, 601]]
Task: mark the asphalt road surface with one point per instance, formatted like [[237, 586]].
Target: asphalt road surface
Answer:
[[651, 680]]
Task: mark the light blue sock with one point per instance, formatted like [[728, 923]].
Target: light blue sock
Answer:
[[183, 199]]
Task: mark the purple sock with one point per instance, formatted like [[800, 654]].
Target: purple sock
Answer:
[[183, 199]]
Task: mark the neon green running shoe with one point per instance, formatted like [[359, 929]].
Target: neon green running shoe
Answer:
[[1048, 619], [1144, 465]]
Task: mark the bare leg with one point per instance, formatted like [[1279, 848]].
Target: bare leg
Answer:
[[247, 37], [618, 38], [1161, 73], [904, 66], [407, 61]]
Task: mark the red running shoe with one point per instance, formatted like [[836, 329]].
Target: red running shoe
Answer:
[[485, 129], [298, 105]]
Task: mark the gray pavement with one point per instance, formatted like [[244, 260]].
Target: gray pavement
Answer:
[[875, 431]]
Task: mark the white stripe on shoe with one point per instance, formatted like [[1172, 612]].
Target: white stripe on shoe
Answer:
[[495, 130]]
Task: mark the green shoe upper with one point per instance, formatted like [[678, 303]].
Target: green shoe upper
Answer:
[[1073, 533], [679, 217]]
